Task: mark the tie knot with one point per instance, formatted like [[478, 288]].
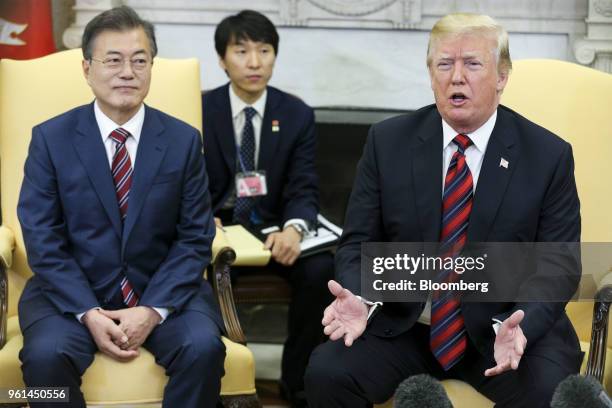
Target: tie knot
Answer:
[[249, 113], [462, 142], [120, 135]]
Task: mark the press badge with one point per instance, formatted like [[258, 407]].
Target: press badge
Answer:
[[251, 184]]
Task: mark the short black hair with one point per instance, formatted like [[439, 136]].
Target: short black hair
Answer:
[[246, 25], [116, 19]]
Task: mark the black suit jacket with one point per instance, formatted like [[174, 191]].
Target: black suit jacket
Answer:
[[397, 196], [286, 156]]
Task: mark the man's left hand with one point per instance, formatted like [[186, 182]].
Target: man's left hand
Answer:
[[136, 322], [510, 343], [285, 246]]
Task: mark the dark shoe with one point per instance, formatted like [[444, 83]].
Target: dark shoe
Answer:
[[297, 399]]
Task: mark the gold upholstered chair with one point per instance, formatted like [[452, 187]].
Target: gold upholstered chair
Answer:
[[575, 103], [36, 90]]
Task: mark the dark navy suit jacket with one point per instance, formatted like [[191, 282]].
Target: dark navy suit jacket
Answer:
[[397, 196], [286, 156], [75, 241]]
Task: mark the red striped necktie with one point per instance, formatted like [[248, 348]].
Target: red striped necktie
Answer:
[[121, 169], [448, 338]]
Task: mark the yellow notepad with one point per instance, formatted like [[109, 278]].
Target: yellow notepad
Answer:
[[249, 249]]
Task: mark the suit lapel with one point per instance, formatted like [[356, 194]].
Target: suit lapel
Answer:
[[224, 128], [269, 140], [90, 148], [427, 173], [494, 177], [151, 150]]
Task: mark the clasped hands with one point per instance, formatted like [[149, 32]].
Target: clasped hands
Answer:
[[119, 333], [347, 316]]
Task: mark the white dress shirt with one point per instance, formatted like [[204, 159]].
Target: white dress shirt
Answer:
[[474, 155], [238, 118], [134, 126]]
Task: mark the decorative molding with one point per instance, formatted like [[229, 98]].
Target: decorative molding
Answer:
[[584, 52], [595, 48], [568, 16], [603, 7], [604, 61], [85, 11], [352, 7], [380, 14], [72, 36]]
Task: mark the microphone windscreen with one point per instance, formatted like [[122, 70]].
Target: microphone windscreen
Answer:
[[421, 391], [577, 391]]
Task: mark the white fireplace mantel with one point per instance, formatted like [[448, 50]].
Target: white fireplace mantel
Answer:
[[366, 53]]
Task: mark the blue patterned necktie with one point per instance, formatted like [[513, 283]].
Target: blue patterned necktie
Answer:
[[244, 205], [448, 340]]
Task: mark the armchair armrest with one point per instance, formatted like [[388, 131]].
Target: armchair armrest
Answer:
[[219, 274], [7, 244], [599, 332]]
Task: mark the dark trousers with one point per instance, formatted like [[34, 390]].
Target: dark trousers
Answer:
[[308, 278], [371, 369], [58, 349]]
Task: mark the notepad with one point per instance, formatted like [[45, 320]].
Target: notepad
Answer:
[[249, 249]]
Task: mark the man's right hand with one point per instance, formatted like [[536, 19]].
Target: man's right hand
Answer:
[[107, 335], [347, 316]]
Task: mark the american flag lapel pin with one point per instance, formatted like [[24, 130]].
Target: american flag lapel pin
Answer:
[[275, 125], [503, 163]]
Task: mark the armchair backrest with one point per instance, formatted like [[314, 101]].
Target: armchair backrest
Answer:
[[36, 90], [575, 102]]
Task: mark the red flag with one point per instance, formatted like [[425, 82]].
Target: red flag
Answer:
[[26, 30]]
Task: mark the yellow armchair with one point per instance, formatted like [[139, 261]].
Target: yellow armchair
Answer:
[[36, 90], [575, 103]]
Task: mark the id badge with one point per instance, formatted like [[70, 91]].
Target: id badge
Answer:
[[251, 184]]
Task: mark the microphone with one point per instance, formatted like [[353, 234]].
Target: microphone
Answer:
[[577, 391], [421, 391]]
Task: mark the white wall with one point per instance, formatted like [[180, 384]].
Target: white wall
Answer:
[[366, 53], [349, 67]]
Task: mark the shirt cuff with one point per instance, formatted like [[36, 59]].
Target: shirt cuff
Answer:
[[496, 325], [163, 312], [79, 316], [372, 306], [297, 221]]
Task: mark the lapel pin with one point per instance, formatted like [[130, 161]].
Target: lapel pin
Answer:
[[503, 163], [275, 125]]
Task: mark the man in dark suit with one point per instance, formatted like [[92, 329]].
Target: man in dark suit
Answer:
[[118, 241], [515, 353], [257, 132]]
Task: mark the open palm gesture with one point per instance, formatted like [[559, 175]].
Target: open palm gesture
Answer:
[[346, 316], [510, 343]]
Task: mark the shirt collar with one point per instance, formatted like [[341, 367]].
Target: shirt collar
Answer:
[[107, 125], [480, 137], [238, 104]]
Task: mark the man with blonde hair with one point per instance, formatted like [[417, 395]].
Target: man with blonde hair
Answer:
[[416, 182]]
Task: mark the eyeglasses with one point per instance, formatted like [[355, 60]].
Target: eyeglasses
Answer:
[[117, 63]]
